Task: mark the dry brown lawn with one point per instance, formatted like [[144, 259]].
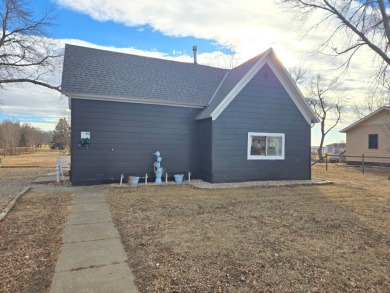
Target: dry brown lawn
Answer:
[[333, 238], [30, 235], [30, 239], [44, 157]]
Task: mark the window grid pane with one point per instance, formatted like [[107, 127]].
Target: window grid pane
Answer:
[[258, 147], [274, 146]]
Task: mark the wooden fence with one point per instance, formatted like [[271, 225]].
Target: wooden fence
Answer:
[[359, 161], [16, 151]]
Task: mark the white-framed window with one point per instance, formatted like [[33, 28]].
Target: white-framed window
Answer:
[[265, 146]]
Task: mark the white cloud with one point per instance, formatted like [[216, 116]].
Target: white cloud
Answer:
[[29, 103], [248, 27]]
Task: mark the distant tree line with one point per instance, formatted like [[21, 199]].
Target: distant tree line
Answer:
[[16, 134]]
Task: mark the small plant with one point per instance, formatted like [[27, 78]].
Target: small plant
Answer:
[[85, 142]]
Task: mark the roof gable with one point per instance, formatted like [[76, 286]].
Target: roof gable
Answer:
[[239, 77], [366, 118], [232, 78]]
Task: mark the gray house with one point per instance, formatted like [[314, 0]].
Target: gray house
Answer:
[[244, 124]]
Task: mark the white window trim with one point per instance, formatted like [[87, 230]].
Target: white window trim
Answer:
[[258, 157]]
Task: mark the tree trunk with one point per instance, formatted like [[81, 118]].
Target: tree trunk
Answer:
[[322, 139]]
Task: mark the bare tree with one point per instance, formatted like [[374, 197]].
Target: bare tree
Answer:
[[43, 138], [231, 60], [298, 74], [27, 55], [360, 24], [322, 98], [9, 134], [375, 98], [15, 134]]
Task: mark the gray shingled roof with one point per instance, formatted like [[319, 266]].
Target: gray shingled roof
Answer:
[[94, 72], [99, 74], [231, 80]]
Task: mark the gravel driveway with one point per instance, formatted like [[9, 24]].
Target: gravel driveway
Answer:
[[14, 180]]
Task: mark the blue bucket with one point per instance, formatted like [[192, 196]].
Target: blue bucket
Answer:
[[134, 180], [179, 178]]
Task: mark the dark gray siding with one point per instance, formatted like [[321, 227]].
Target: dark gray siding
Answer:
[[134, 132], [205, 149], [262, 106]]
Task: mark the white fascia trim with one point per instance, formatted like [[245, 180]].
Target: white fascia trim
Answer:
[[293, 91], [217, 90], [252, 157], [240, 85], [284, 79], [130, 100]]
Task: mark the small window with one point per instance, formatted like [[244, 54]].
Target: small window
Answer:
[[265, 146], [373, 141]]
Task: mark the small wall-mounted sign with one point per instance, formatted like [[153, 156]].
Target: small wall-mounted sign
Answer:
[[85, 134], [85, 139]]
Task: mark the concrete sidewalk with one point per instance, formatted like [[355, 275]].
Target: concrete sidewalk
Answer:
[[92, 258]]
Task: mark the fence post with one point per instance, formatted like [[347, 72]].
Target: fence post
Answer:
[[58, 169], [363, 163], [326, 161]]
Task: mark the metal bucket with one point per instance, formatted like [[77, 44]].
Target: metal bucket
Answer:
[[134, 180], [179, 178]]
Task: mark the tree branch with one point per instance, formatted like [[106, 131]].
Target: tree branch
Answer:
[[385, 17], [26, 80], [359, 23], [26, 53], [374, 47]]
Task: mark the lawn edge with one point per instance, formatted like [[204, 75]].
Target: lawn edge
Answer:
[[12, 203]]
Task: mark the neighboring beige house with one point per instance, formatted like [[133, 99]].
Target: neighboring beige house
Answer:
[[370, 136]]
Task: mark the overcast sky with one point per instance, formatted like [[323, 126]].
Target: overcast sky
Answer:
[[168, 29]]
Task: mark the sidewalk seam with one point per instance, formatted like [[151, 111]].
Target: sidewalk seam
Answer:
[[91, 267], [82, 241], [89, 223]]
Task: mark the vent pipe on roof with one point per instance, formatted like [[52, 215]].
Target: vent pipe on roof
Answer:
[[194, 49]]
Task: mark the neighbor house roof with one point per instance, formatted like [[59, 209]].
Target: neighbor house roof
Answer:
[[104, 75], [380, 110]]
